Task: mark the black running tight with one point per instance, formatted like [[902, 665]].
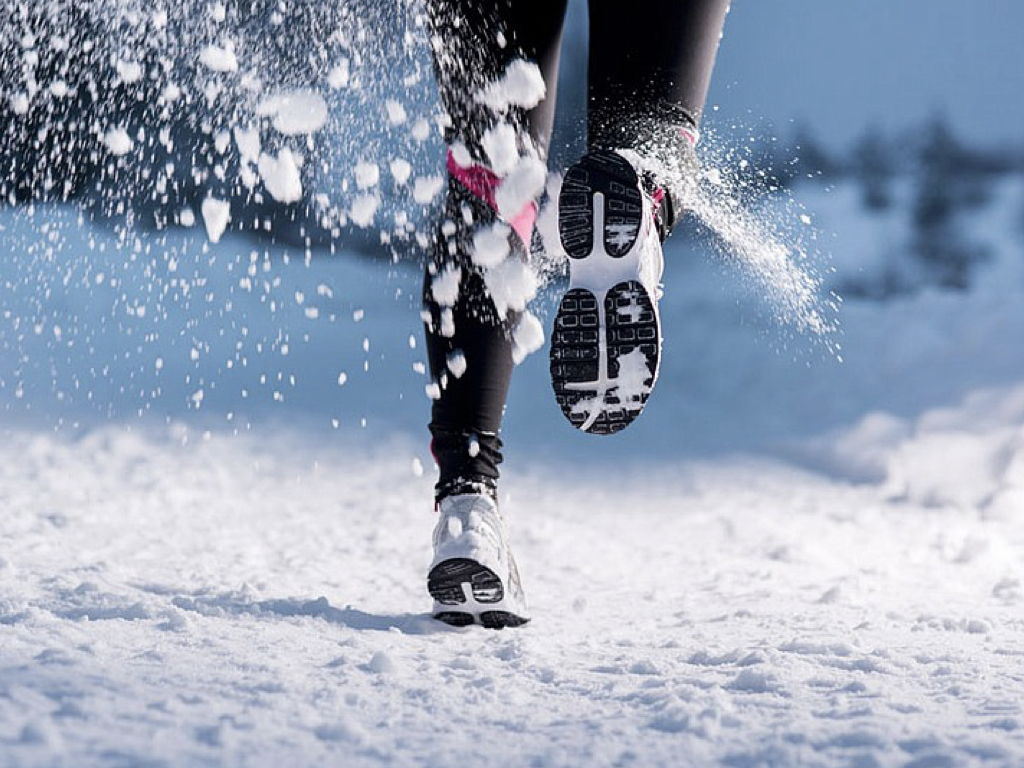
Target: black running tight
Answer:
[[650, 64]]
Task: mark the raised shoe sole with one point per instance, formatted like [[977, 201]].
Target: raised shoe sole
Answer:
[[606, 342]]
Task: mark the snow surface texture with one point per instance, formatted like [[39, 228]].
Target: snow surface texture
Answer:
[[170, 600], [846, 591]]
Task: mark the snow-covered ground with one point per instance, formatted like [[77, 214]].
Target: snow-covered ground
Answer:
[[787, 561], [256, 601]]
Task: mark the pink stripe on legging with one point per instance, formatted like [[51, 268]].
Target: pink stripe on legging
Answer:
[[484, 183]]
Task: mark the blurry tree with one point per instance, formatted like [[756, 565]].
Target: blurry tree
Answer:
[[945, 188], [874, 166], [811, 160]]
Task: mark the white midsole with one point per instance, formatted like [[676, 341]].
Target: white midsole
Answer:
[[598, 271]]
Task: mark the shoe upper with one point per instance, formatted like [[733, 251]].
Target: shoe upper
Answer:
[[470, 527], [647, 246], [652, 258]]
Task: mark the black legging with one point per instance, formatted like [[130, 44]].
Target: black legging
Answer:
[[649, 71]]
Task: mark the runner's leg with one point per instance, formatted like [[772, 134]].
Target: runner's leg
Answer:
[[473, 43], [648, 80]]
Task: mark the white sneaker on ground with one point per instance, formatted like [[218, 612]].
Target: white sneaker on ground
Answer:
[[606, 343], [473, 577]]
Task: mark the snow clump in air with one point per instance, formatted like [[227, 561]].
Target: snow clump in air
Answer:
[[248, 142], [501, 146], [118, 142], [396, 112], [426, 188], [522, 85], [364, 208], [281, 176], [401, 170], [457, 363], [216, 215], [490, 245], [339, 75], [527, 337], [218, 59], [128, 71], [367, 174], [295, 113], [20, 103], [521, 187], [512, 285], [445, 288]]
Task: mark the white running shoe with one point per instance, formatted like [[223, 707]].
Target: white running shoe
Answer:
[[606, 343], [473, 578]]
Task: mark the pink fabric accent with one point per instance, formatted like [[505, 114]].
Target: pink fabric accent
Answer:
[[481, 181], [690, 135], [523, 223], [658, 197], [484, 183]]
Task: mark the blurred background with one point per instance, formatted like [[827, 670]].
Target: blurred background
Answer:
[[882, 143]]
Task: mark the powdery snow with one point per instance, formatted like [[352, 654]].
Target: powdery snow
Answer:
[[266, 604], [778, 564]]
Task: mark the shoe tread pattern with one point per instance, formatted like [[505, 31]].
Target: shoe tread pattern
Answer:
[[445, 584], [631, 324], [629, 318], [613, 177]]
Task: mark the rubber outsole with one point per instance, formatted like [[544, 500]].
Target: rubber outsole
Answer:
[[466, 583], [613, 177], [604, 332]]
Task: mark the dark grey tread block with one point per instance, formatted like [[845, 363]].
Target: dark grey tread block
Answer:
[[455, 618], [488, 619], [501, 619]]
